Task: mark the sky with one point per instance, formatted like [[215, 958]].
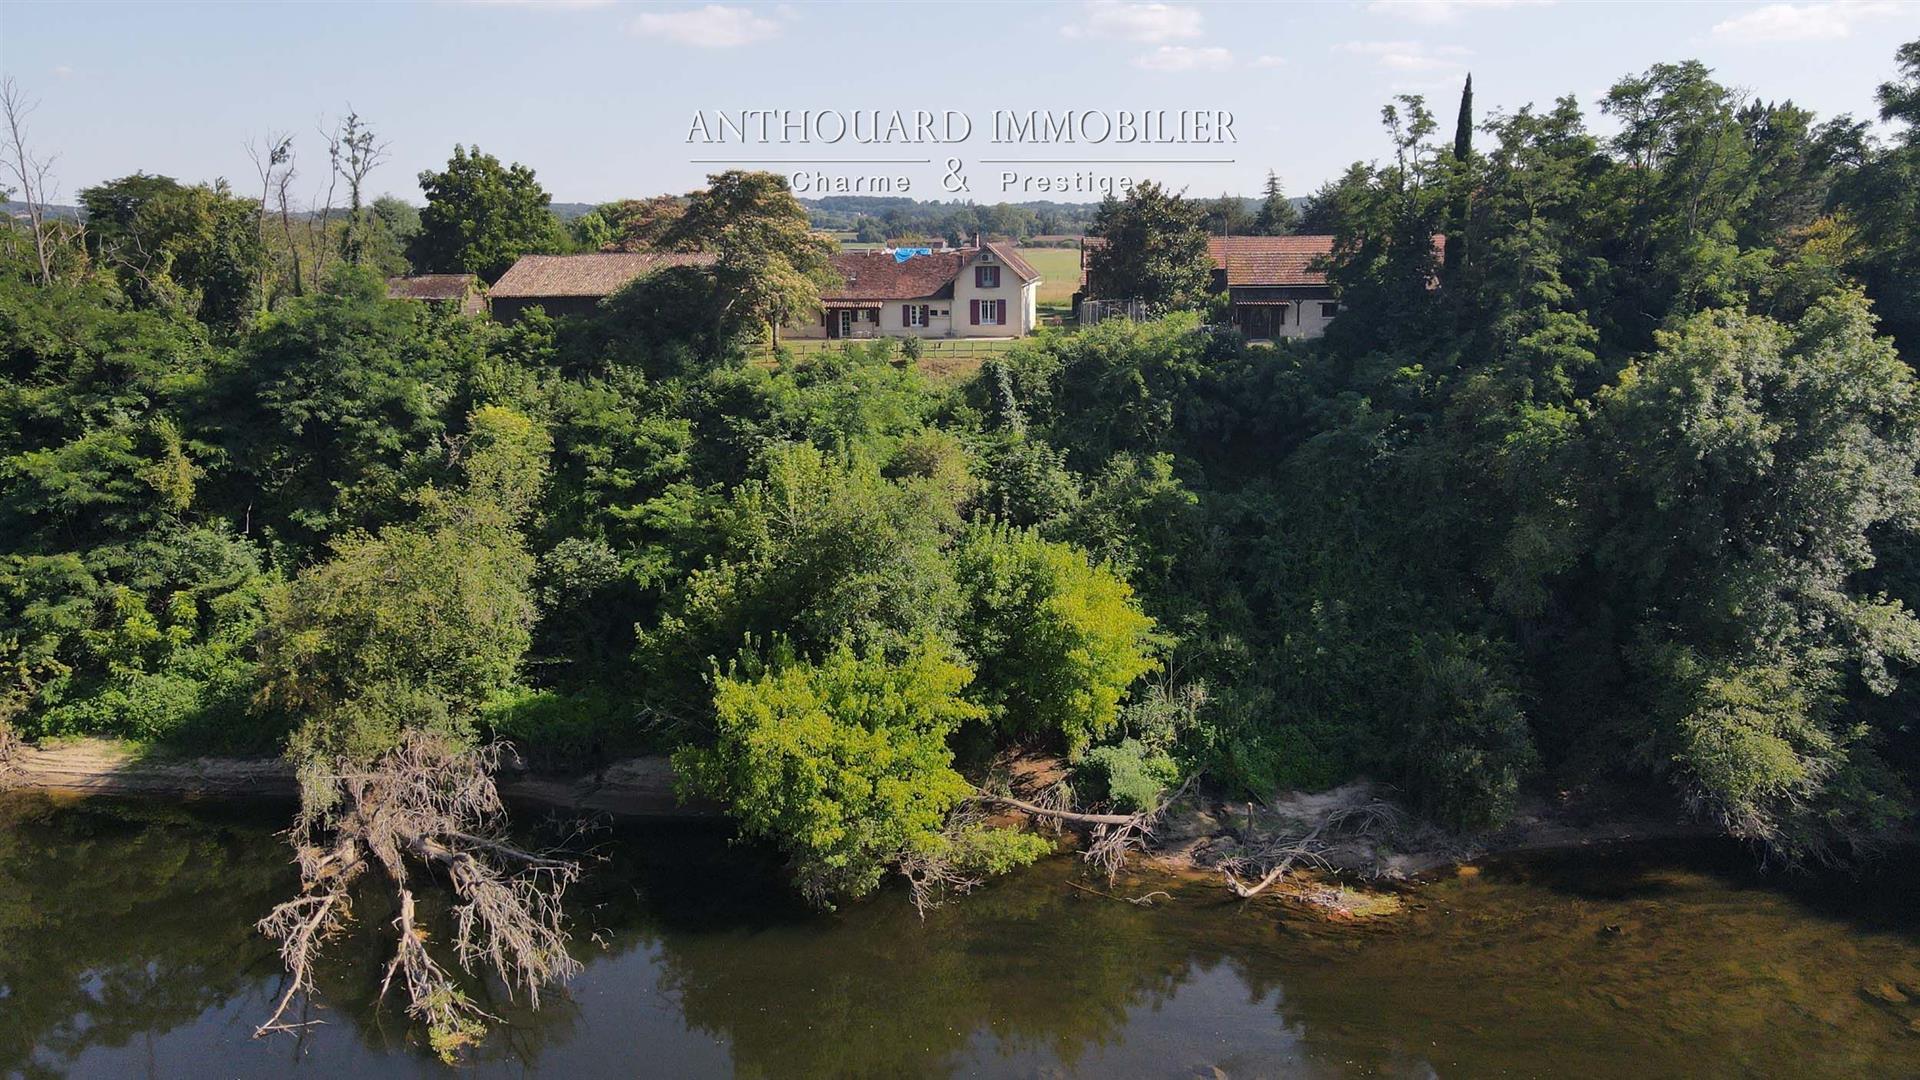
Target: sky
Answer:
[[600, 97]]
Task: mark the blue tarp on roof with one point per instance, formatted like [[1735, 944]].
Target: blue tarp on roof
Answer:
[[901, 255]]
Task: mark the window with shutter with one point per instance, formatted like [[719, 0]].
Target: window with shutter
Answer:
[[986, 277]]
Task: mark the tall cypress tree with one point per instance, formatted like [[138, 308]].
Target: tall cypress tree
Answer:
[[1277, 216], [1456, 249]]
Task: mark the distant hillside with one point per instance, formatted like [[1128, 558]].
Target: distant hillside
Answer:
[[19, 209]]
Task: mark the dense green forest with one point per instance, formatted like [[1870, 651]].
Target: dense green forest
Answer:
[[1618, 487]]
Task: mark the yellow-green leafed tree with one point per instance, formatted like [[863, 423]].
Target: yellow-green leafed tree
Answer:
[[844, 764], [1058, 639]]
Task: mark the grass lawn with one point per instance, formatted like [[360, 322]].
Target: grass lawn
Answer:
[[1059, 273], [944, 360]]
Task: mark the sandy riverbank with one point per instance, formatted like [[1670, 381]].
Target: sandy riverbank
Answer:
[[638, 787], [1356, 876]]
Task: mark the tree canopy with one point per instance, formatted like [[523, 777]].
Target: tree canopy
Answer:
[[1153, 248], [1604, 477], [481, 216]]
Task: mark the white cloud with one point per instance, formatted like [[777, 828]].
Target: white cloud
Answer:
[[1801, 22], [1185, 58], [64, 71], [715, 26], [1409, 56], [1434, 12], [1269, 61], [1148, 23]]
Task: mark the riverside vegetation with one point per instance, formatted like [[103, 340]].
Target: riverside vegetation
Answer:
[[1618, 485]]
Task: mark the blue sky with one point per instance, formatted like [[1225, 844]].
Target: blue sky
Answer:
[[598, 97]]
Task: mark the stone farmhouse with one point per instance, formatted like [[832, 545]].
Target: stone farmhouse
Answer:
[[575, 284], [983, 291], [1277, 285]]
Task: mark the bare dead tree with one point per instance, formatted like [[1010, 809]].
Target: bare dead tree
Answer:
[[355, 152], [283, 203], [428, 809], [1268, 859], [271, 156], [318, 238], [29, 171]]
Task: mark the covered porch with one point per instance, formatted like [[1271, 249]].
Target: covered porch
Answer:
[[1264, 320], [851, 319]]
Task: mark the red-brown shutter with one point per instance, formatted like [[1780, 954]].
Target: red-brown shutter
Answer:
[[905, 319], [973, 311]]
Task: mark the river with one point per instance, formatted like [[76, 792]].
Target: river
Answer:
[[127, 948]]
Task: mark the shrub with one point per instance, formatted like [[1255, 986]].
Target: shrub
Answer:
[[844, 765], [1128, 774], [1058, 639], [557, 731]]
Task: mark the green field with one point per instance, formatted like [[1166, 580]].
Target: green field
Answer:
[[1059, 273]]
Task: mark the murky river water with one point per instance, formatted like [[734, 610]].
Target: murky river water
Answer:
[[127, 948]]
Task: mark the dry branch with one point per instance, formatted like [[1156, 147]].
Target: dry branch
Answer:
[[1144, 900], [9, 748], [1058, 814], [933, 877], [32, 173], [1114, 835], [430, 807], [1269, 859]]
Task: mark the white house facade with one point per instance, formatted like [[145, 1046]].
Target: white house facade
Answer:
[[985, 291]]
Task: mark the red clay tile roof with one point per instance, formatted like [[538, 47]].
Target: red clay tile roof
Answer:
[[875, 275], [1252, 260], [598, 274], [430, 287], [1261, 260], [1271, 260], [1006, 254], [1279, 260]]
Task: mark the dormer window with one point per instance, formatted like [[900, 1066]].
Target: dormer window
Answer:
[[986, 277]]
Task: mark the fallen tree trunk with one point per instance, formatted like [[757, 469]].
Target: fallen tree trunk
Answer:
[[1068, 816], [1114, 835]]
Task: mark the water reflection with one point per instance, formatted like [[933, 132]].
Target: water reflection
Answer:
[[126, 947]]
